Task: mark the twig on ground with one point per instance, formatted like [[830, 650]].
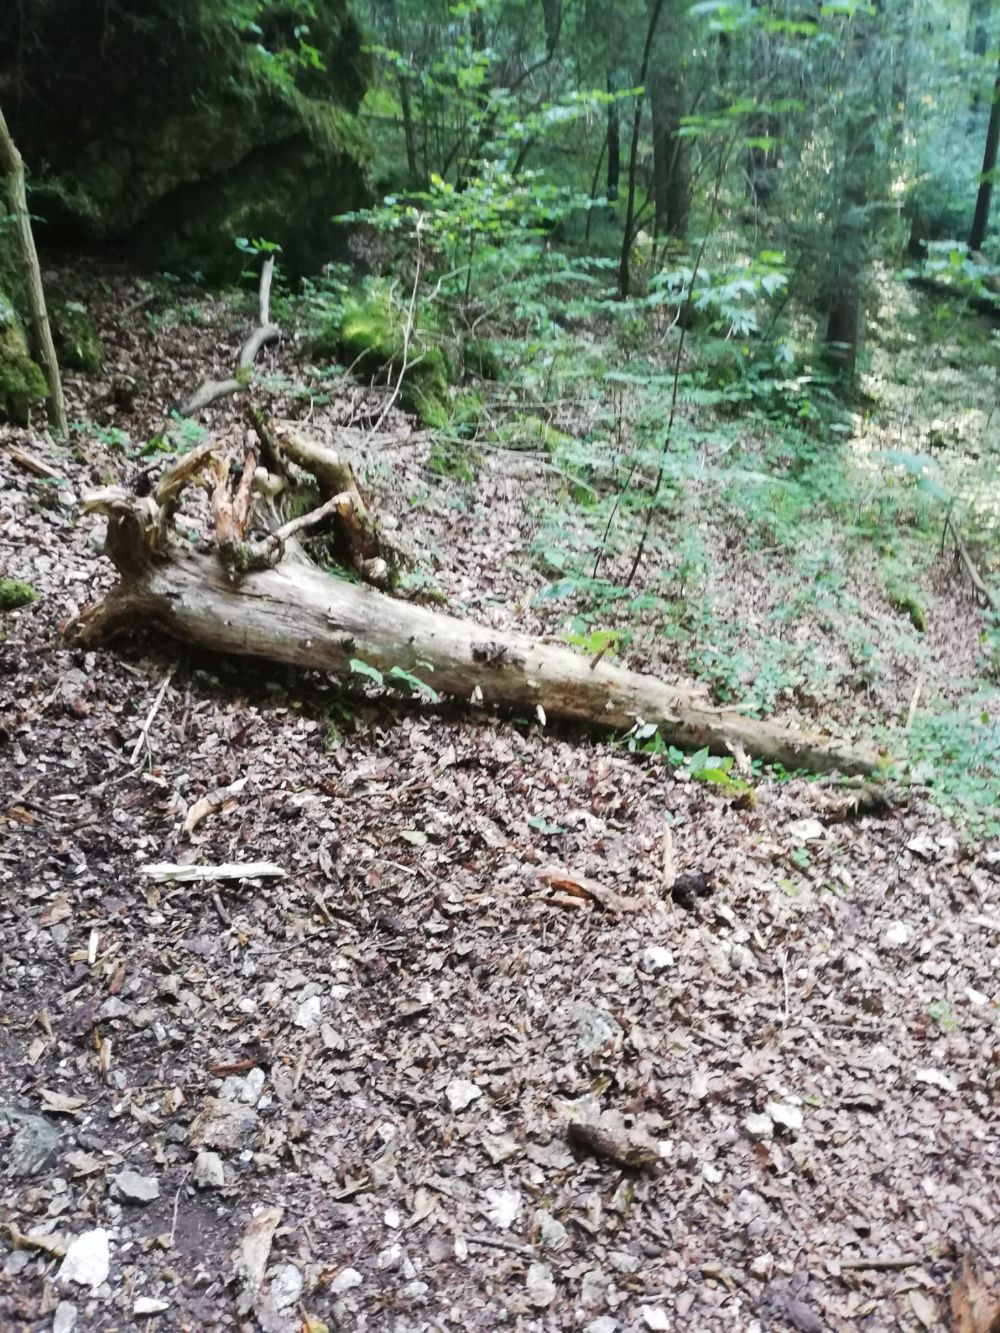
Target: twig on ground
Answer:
[[911, 712], [499, 1243], [882, 1263], [143, 737], [975, 578], [210, 391]]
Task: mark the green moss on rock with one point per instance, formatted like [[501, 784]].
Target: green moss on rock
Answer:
[[368, 334], [22, 384], [15, 593], [77, 345]]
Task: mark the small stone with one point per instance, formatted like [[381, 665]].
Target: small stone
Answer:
[[500, 1147], [64, 1319], [130, 1187], [416, 1290], [309, 1013], [149, 1305], [806, 830], [625, 1262], [209, 1172], [346, 1280], [976, 997], [34, 1145], [540, 1287], [602, 1324], [597, 1028], [286, 1286], [762, 1266], [392, 1218], [551, 1231], [897, 933], [254, 1086], [221, 1124], [88, 1259], [389, 1258], [461, 1093], [787, 1116], [759, 1126], [656, 959]]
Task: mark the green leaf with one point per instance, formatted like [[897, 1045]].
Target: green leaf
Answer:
[[363, 669]]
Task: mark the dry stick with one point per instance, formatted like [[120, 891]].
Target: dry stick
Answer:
[[265, 332], [882, 1264], [143, 738], [975, 578], [911, 712], [407, 334], [12, 166]]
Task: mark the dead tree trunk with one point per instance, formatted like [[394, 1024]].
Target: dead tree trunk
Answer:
[[12, 167], [274, 604]]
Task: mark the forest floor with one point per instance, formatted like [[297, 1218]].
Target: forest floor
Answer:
[[342, 1097]]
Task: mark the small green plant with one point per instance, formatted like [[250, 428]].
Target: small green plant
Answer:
[[940, 1012], [112, 437], [396, 677], [15, 593]]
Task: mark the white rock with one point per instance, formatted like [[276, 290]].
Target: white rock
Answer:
[[654, 1316], [64, 1320], [147, 1305], [130, 1187], [286, 1286], [759, 1126], [461, 1092], [806, 830], [308, 1015], [88, 1259], [936, 1079], [762, 1265], [656, 959], [602, 1324], [540, 1287], [503, 1207], [897, 933], [209, 1172], [346, 1280], [389, 1258], [392, 1218], [784, 1114], [976, 997], [254, 1086]]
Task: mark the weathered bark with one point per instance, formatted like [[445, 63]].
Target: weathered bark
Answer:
[[614, 147], [671, 175], [294, 613], [624, 269], [12, 167], [981, 217]]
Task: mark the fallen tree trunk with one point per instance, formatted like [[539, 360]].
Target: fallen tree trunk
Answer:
[[294, 613]]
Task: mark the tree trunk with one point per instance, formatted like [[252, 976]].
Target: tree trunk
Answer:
[[671, 174], [12, 167], [981, 217], [977, 42], [624, 273], [614, 147], [552, 19], [294, 613]]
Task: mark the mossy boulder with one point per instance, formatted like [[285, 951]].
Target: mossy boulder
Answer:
[[22, 384], [77, 345], [368, 333], [247, 129], [15, 593]]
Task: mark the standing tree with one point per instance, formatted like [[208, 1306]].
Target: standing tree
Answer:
[[12, 169], [981, 217], [671, 170]]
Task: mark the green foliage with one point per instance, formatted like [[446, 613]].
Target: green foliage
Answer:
[[956, 751], [396, 677]]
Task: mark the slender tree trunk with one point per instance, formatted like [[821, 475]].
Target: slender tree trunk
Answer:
[[624, 274], [593, 189], [671, 174], [977, 42], [981, 217], [409, 134], [614, 147], [552, 18], [12, 167]]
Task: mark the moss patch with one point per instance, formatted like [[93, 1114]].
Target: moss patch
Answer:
[[15, 593], [368, 335], [22, 384], [77, 345]]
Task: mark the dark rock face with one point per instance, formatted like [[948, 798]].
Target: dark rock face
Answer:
[[170, 127]]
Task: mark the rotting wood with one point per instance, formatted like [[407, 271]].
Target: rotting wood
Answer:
[[294, 613], [211, 391]]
